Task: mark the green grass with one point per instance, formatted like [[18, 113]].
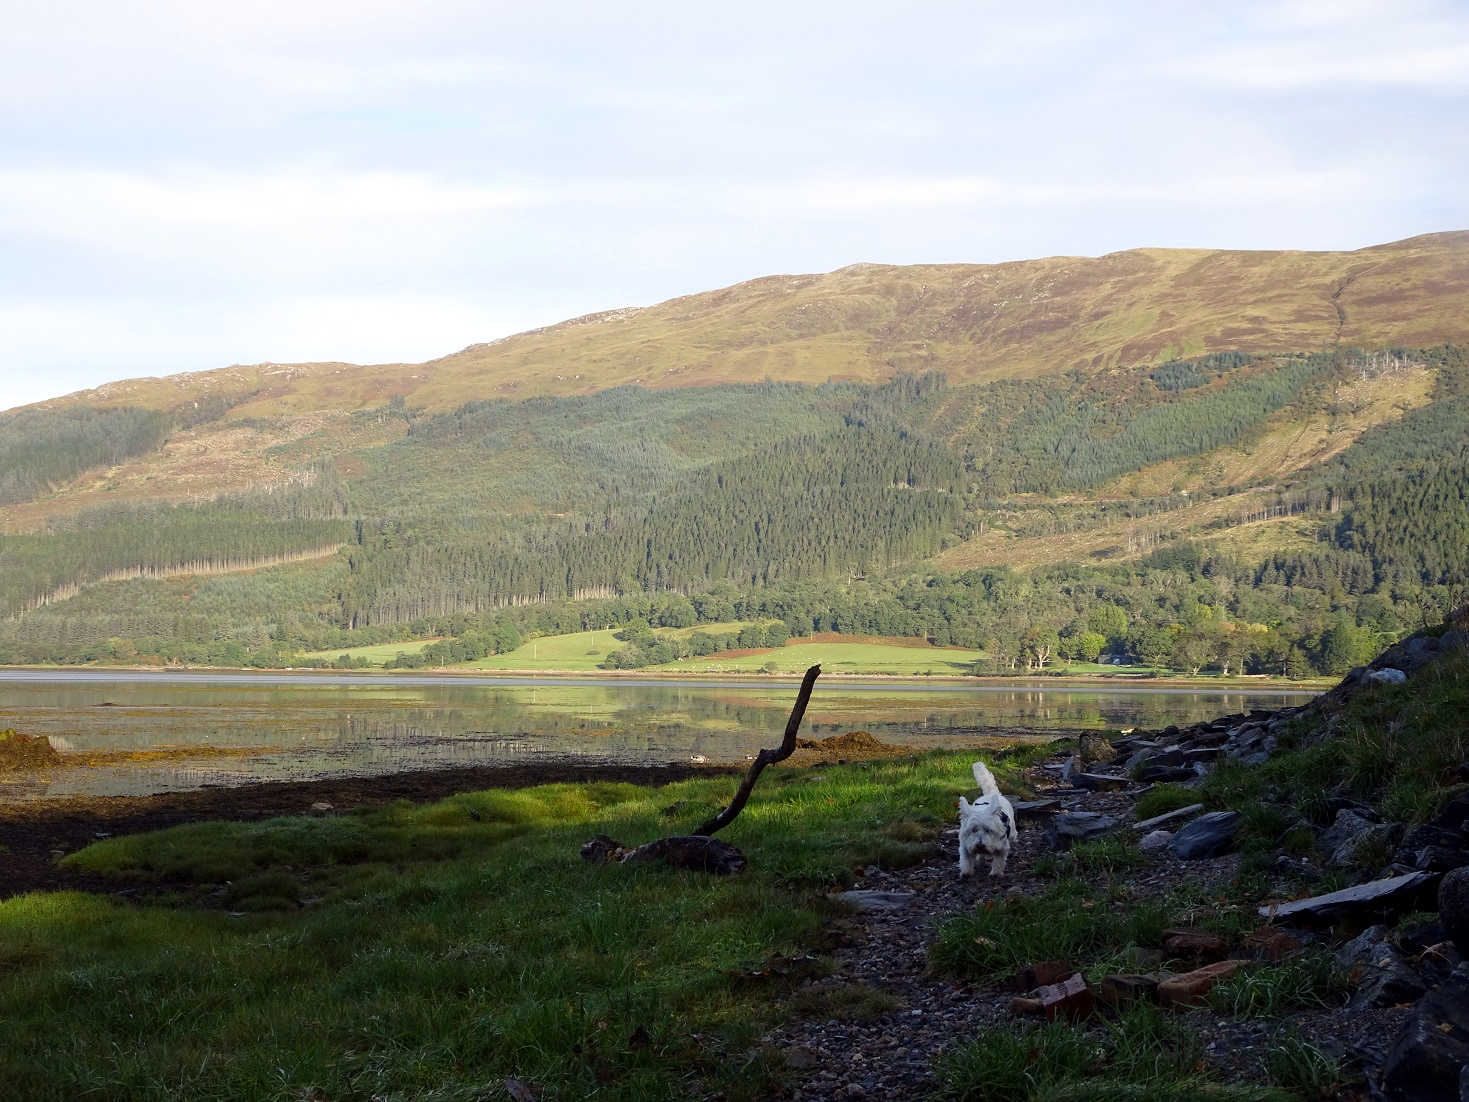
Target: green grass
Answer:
[[430, 951], [1146, 1055], [1309, 981], [1163, 798], [377, 654], [1104, 855]]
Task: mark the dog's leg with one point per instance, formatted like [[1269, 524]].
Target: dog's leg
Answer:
[[966, 863], [997, 864]]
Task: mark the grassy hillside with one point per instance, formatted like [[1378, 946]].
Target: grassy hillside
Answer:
[[868, 321]]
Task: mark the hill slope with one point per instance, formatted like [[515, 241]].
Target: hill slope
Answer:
[[870, 321]]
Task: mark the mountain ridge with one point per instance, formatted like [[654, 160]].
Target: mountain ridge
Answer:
[[869, 322]]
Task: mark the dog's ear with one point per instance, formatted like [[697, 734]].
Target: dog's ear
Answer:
[[963, 804]]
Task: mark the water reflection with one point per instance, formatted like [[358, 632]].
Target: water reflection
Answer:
[[231, 730]]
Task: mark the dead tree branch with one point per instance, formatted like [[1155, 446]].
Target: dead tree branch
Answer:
[[768, 756]]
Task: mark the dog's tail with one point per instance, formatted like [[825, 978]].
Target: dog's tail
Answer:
[[985, 779]]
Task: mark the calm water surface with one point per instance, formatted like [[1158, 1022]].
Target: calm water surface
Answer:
[[144, 732]]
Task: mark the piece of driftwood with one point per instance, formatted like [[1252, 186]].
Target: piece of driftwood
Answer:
[[697, 850], [686, 851], [768, 756]]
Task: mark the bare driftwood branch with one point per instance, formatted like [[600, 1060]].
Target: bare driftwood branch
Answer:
[[697, 850], [768, 756]]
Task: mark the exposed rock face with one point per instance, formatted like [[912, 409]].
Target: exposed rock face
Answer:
[[1207, 836]]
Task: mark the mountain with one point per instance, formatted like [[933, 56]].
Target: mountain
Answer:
[[804, 448], [867, 322]]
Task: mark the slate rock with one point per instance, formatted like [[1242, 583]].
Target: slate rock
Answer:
[[1174, 816], [1161, 755], [1122, 990], [1391, 894], [1099, 782], [1380, 973], [1455, 814], [1453, 908], [1070, 827], [874, 902], [1207, 836], [1162, 774], [1428, 1060]]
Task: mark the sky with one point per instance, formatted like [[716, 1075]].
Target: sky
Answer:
[[186, 185]]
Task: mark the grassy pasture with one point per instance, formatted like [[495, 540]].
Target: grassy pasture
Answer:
[[430, 951], [795, 656], [377, 654]]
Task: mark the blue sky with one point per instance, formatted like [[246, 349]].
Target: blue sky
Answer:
[[188, 185]]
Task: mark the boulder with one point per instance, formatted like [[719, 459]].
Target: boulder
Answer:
[[1157, 755], [1387, 676], [1095, 748], [1069, 827], [1453, 908], [1390, 895], [1207, 836], [1349, 823], [1428, 1060], [1192, 988], [1381, 975]]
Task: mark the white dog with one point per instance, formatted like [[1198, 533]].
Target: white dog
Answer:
[[986, 826]]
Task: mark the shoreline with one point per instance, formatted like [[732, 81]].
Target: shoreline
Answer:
[[1122, 682]]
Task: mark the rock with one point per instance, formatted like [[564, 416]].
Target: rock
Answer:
[[321, 805], [1360, 849], [1349, 823], [1207, 836], [1273, 945], [1381, 976], [1427, 1061], [1156, 841], [867, 901], [1095, 748], [1454, 815], [800, 1057], [1162, 755], [1192, 988], [1453, 908], [1387, 676], [1043, 973], [1433, 859], [1163, 774], [1194, 945], [1200, 755], [1099, 782], [1169, 817], [1392, 894], [1125, 989], [1071, 998], [1033, 809], [1070, 827]]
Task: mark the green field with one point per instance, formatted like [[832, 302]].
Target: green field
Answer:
[[377, 654], [838, 658]]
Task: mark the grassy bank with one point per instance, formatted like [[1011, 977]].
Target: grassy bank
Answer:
[[433, 950]]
